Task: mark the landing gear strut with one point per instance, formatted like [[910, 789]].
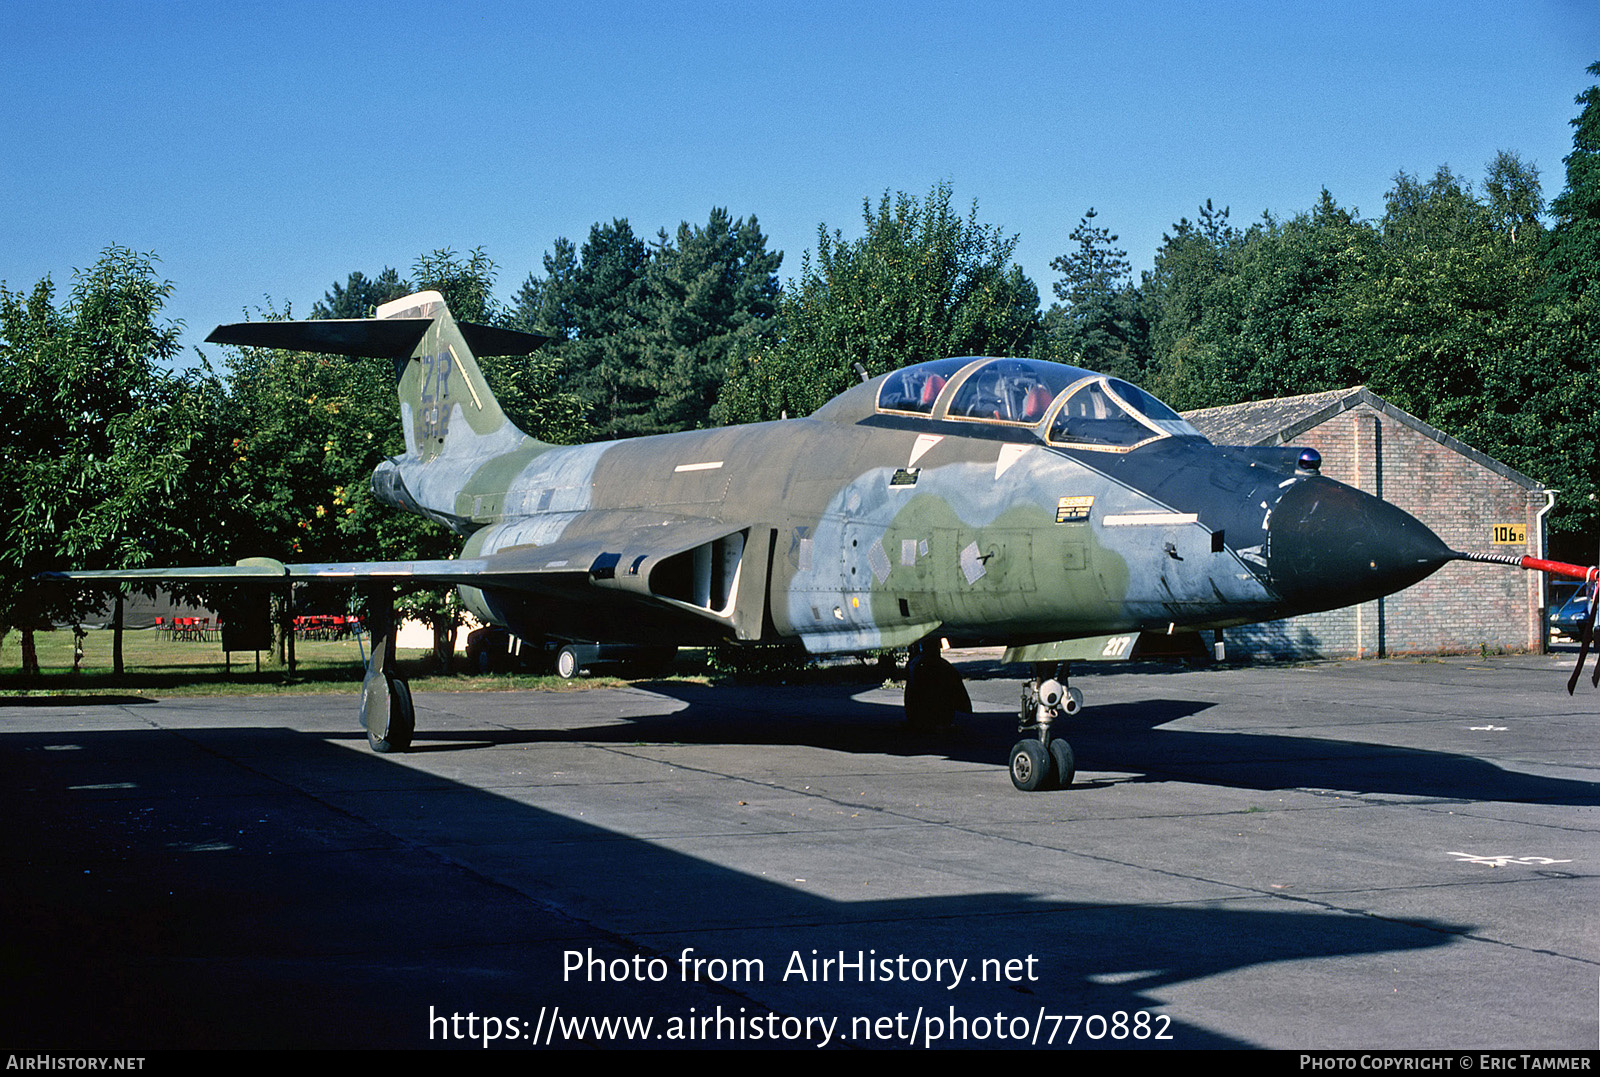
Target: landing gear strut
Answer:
[[1045, 761], [934, 692]]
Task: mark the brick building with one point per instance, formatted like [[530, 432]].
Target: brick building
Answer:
[[1470, 501]]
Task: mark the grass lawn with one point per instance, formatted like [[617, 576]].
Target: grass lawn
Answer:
[[162, 666], [155, 665]]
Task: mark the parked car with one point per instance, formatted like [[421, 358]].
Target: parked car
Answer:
[[1569, 617], [492, 649], [575, 658]]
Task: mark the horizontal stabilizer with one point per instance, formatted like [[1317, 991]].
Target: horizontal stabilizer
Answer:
[[386, 338]]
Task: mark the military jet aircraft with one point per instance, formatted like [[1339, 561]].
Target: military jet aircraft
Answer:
[[1063, 513]]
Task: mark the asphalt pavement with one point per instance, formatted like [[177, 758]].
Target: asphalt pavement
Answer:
[[1383, 854]]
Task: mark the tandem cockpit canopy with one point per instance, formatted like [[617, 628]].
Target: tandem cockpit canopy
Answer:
[[1072, 406]]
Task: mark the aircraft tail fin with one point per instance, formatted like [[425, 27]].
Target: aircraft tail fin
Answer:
[[441, 385], [445, 403], [433, 356]]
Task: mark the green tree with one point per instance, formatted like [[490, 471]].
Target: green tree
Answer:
[[590, 301], [532, 391], [1436, 305], [359, 295], [1189, 282], [1456, 304], [706, 296], [1445, 299], [921, 283], [304, 433], [1557, 376], [645, 332], [545, 304], [1099, 323], [98, 438], [466, 284], [1263, 313], [1574, 256], [1290, 300], [1516, 201]]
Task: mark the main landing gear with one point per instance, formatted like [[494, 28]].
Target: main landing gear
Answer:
[[386, 708], [387, 712], [1045, 761], [934, 692]]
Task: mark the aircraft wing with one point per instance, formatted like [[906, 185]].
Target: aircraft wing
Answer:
[[610, 564], [263, 569]]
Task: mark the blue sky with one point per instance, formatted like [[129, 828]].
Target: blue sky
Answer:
[[268, 151]]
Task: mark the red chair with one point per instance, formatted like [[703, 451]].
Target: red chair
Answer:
[[1034, 406]]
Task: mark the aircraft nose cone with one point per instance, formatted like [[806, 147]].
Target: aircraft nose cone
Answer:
[[1330, 545]]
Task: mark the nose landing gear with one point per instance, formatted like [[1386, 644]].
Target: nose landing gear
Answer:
[[1045, 761]]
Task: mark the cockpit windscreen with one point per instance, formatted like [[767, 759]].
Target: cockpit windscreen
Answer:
[[1110, 413]]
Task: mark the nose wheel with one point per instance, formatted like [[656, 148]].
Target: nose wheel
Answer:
[[1036, 766], [1064, 766], [1030, 766], [1045, 761]]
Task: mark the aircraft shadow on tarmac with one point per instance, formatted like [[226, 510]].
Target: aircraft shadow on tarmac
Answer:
[[265, 887], [1118, 737]]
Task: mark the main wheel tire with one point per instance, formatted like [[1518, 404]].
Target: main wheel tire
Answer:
[[374, 703], [567, 664], [402, 720], [934, 693], [1064, 767], [1030, 766]]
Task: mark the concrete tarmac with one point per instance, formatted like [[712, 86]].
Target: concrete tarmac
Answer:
[[1390, 854]]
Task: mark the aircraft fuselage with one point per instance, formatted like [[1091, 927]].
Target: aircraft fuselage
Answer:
[[858, 529]]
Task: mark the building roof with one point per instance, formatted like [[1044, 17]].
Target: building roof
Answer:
[[1281, 421]]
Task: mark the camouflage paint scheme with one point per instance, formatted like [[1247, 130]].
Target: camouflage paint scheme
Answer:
[[857, 528], [999, 501]]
